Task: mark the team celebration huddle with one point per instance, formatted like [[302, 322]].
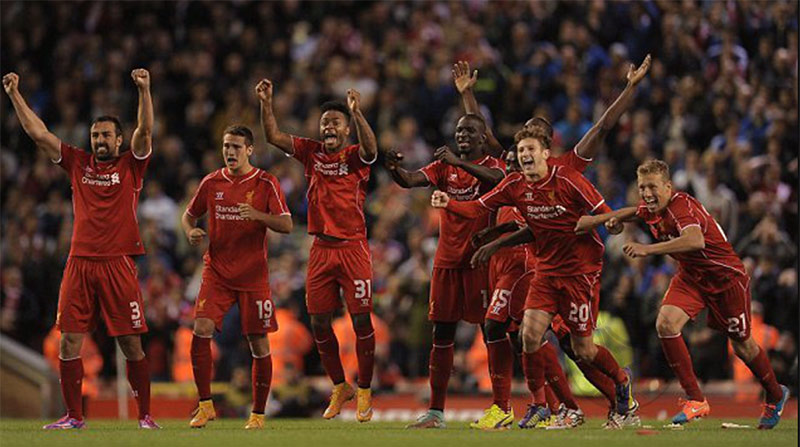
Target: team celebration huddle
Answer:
[[518, 254]]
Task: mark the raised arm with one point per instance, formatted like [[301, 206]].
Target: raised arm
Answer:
[[691, 239], [31, 123], [492, 176], [142, 139], [464, 81], [588, 146], [282, 141], [368, 145], [401, 176]]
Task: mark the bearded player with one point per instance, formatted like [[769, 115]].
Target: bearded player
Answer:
[[100, 278], [710, 275], [340, 263], [505, 267], [458, 291], [242, 203], [551, 198]]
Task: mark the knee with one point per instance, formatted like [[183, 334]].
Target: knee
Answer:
[[70, 345], [746, 350], [259, 345], [531, 341], [204, 327], [362, 321], [131, 346], [495, 331], [321, 324], [666, 326], [444, 332], [585, 352]]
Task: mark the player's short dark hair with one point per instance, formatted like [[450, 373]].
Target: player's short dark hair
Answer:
[[241, 131], [535, 132], [109, 119], [654, 166], [476, 117], [336, 106], [540, 121]]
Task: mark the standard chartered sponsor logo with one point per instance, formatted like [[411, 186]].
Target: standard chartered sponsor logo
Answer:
[[227, 213], [331, 168], [101, 179], [545, 212], [462, 194]]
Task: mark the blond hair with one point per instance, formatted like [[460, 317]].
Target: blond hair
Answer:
[[654, 167]]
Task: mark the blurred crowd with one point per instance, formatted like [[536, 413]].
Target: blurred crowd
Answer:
[[720, 105]]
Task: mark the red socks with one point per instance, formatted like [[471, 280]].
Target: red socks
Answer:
[[262, 379], [678, 358], [328, 348], [552, 400], [533, 367], [600, 381], [139, 378], [501, 365], [365, 352], [202, 365], [762, 369], [555, 376], [441, 365], [71, 372], [606, 363]]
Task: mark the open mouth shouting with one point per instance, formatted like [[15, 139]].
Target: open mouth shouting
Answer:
[[330, 138], [651, 203]]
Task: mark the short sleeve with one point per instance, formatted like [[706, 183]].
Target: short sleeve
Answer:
[[138, 166], [573, 160], [69, 156], [584, 193], [643, 213], [302, 148], [199, 203], [276, 201], [434, 172], [684, 213], [500, 195]]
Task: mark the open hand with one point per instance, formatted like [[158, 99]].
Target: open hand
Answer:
[[462, 77], [483, 255], [637, 74], [353, 100]]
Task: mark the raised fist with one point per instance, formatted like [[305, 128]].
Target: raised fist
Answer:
[[353, 100], [141, 78], [264, 90], [11, 82]]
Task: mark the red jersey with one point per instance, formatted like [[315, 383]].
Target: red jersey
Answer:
[[508, 214], [105, 196], [455, 249], [713, 268], [551, 208], [337, 188], [237, 248], [571, 159]]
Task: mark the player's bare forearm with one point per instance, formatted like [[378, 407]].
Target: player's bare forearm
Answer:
[[492, 176], [407, 179], [691, 239], [366, 137], [519, 237], [142, 139], [35, 127], [275, 137], [188, 222], [503, 228], [623, 215], [470, 103], [279, 224], [470, 209]]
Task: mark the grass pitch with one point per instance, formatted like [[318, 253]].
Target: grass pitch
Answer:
[[320, 433]]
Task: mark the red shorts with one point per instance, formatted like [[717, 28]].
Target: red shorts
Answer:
[[575, 298], [459, 294], [336, 270], [256, 309], [509, 279], [108, 286], [728, 310], [559, 327]]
